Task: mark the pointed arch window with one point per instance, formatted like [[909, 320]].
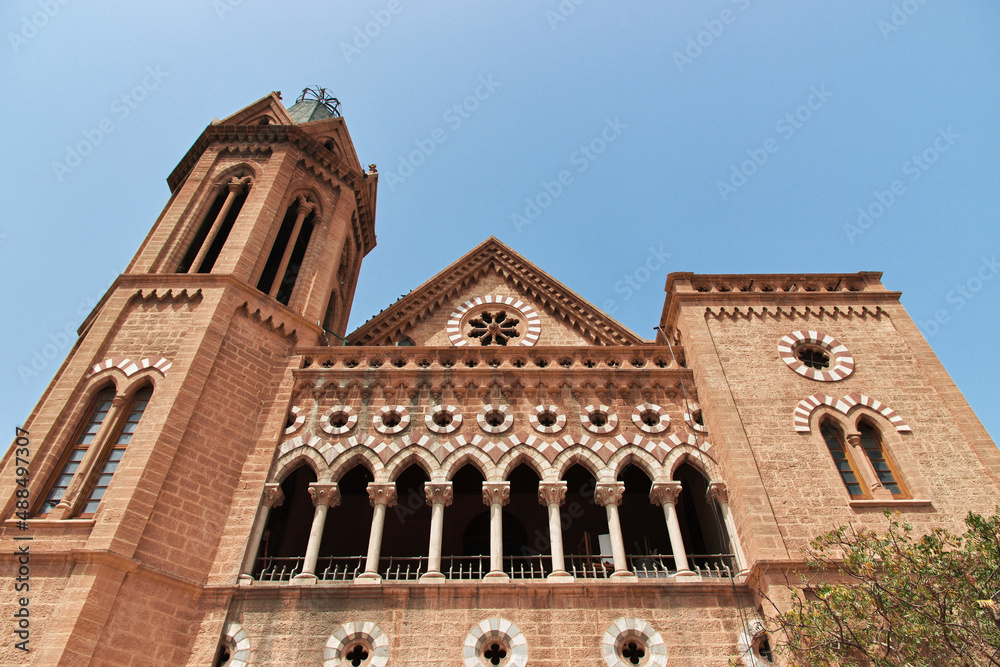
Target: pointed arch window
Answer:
[[849, 473], [885, 471], [289, 249], [214, 230]]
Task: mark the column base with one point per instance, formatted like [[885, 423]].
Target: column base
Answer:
[[496, 577], [432, 578], [622, 574], [689, 575], [368, 578], [560, 576], [306, 578]]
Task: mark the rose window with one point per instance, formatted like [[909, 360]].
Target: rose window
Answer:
[[494, 327]]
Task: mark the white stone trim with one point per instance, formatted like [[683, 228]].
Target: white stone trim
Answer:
[[689, 411], [379, 425], [594, 409], [841, 361], [625, 629], [508, 418], [129, 367], [646, 428], [347, 634], [236, 637], [456, 419], [530, 316], [748, 636], [805, 408], [352, 420], [495, 629], [537, 425], [299, 419]]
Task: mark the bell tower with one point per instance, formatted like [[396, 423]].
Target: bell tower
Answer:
[[139, 444]]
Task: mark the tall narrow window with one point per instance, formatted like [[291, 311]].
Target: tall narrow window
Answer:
[[845, 466], [289, 249], [872, 445], [107, 470], [214, 230], [102, 404]]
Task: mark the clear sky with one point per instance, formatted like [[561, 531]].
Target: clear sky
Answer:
[[735, 136]]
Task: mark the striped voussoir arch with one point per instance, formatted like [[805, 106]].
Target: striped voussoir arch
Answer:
[[529, 314], [805, 408], [129, 367]]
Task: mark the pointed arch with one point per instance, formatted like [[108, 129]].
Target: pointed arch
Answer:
[[693, 456], [802, 415], [414, 454], [587, 458], [343, 463], [468, 455], [529, 456], [637, 456], [305, 455]]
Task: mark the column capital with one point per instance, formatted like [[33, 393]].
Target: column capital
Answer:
[[324, 493], [719, 492], [439, 493], [119, 400], [609, 493], [496, 492], [382, 494], [854, 439], [273, 496], [663, 493], [235, 186], [551, 493]]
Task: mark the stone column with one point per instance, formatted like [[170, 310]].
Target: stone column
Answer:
[[868, 475], [381, 496], [718, 491], [273, 497], [324, 496], [234, 187], [496, 495], [609, 494], [439, 496], [304, 210], [667, 494], [552, 495]]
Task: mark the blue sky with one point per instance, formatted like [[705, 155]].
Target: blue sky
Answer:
[[737, 136]]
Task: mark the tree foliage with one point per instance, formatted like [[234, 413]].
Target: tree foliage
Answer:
[[898, 600]]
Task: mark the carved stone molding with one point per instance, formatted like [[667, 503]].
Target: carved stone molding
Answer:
[[324, 493], [382, 494], [496, 492], [719, 492], [273, 496], [439, 493], [609, 493], [552, 492], [665, 492]]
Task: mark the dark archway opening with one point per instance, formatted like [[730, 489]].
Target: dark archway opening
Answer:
[[585, 527], [406, 536], [286, 533], [644, 529], [526, 546], [348, 526], [704, 536]]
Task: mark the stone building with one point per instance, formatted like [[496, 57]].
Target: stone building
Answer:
[[491, 471]]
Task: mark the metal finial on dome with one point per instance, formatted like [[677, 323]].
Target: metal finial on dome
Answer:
[[320, 95]]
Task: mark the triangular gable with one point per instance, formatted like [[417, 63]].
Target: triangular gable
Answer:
[[334, 130], [269, 106], [551, 313]]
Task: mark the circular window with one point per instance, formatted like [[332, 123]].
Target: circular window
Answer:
[[443, 419], [816, 356], [494, 320], [495, 642], [546, 419], [357, 645], [632, 641], [391, 419], [495, 418], [599, 419], [650, 418], [338, 420], [294, 420], [754, 645], [632, 650], [234, 649]]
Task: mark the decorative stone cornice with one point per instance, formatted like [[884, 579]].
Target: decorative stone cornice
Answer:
[[550, 493], [273, 495], [496, 492], [439, 493], [382, 494], [662, 493], [324, 493], [608, 493]]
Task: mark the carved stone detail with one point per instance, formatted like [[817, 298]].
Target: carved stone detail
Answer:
[[609, 493], [551, 492], [439, 493], [719, 492], [496, 492], [273, 496], [324, 493], [382, 494], [665, 492]]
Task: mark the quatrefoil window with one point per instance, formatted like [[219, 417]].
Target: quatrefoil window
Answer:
[[494, 327]]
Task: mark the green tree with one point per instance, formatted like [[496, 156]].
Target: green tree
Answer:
[[895, 599]]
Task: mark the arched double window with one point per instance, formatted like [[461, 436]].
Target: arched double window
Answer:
[[211, 236], [98, 448], [862, 461], [289, 250]]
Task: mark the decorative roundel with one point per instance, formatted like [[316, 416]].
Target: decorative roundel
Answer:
[[357, 644], [494, 320], [599, 419], [632, 641], [816, 356], [443, 419], [694, 418], [296, 419], [650, 418], [753, 644], [391, 419], [495, 641], [546, 419], [236, 644], [495, 418], [339, 420]]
